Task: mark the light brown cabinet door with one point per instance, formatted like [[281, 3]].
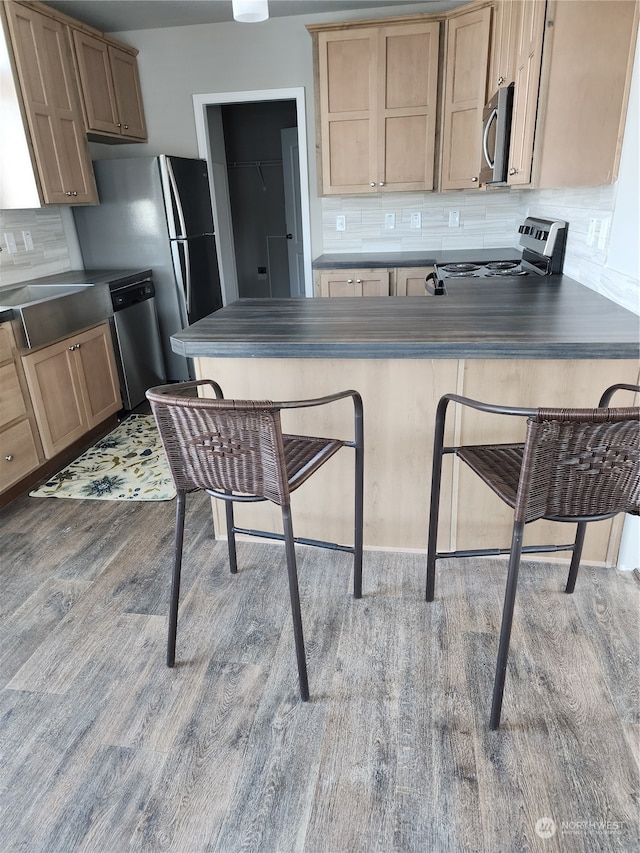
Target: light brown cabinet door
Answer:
[[347, 67], [126, 83], [410, 281], [52, 105], [467, 59], [504, 31], [530, 34], [18, 453], [97, 374], [407, 95], [354, 282], [73, 386]]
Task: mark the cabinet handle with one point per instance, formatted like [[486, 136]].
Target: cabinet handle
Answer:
[[512, 171], [474, 180], [9, 458], [373, 183]]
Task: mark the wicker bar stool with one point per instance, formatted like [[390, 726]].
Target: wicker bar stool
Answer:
[[575, 465], [235, 451]]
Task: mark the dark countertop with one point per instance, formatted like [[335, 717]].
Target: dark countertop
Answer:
[[551, 317], [87, 277], [375, 260]]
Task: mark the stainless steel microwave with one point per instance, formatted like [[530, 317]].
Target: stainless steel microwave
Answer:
[[496, 135]]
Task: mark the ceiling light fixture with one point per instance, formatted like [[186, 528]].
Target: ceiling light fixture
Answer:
[[250, 11]]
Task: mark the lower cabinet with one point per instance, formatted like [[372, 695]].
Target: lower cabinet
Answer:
[[74, 386], [400, 281], [410, 281], [354, 282], [19, 445]]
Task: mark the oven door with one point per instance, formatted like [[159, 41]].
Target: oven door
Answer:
[[496, 135]]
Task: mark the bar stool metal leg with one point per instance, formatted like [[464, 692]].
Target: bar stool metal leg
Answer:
[[575, 557], [359, 522], [295, 603], [175, 583], [231, 538], [507, 620]]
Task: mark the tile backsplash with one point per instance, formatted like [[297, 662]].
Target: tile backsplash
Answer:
[[51, 253]]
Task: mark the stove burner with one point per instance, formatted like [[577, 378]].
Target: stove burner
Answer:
[[460, 268], [463, 274], [501, 265], [504, 272]]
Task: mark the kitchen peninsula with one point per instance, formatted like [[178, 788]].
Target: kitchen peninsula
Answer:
[[521, 343]]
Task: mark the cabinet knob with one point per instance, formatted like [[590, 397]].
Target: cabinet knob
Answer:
[[512, 171], [381, 184], [74, 193], [358, 281], [500, 81], [9, 458], [68, 192], [72, 347], [349, 281], [373, 183], [474, 180], [118, 124], [126, 127]]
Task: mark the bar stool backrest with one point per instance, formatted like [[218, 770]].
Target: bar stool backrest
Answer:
[[223, 445], [580, 462]]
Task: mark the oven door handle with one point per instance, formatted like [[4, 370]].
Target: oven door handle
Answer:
[[485, 139], [437, 289]]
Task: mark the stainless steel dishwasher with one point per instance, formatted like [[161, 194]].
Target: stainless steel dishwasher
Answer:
[[136, 338]]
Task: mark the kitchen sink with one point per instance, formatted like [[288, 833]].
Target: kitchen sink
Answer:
[[29, 294], [43, 313]]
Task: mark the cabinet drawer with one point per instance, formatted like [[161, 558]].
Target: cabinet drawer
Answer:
[[18, 454], [12, 403]]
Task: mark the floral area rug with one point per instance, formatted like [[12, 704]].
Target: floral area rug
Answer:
[[128, 464]]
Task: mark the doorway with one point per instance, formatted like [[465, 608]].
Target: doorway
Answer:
[[255, 145]]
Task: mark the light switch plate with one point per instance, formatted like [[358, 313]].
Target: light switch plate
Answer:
[[341, 223], [389, 221], [10, 242], [416, 220], [27, 240], [454, 219]]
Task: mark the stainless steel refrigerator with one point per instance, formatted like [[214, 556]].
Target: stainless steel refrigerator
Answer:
[[155, 213]]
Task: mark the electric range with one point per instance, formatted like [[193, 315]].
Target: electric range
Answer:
[[543, 244]]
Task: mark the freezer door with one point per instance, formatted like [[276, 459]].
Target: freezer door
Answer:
[[188, 199]]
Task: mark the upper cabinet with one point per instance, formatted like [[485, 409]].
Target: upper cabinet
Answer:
[[51, 105], [465, 94], [377, 91], [377, 83], [110, 89], [585, 75], [63, 83]]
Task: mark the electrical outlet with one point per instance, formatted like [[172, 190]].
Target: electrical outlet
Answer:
[[10, 242], [454, 219], [416, 220], [389, 221], [604, 232], [27, 240], [341, 223]]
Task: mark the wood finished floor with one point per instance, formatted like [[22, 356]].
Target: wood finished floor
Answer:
[[105, 749]]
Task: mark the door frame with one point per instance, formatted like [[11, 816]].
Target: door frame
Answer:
[[219, 187]]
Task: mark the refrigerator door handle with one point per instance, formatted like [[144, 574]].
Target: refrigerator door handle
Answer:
[[187, 269], [176, 198]]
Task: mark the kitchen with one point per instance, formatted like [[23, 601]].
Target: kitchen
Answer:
[[177, 63]]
